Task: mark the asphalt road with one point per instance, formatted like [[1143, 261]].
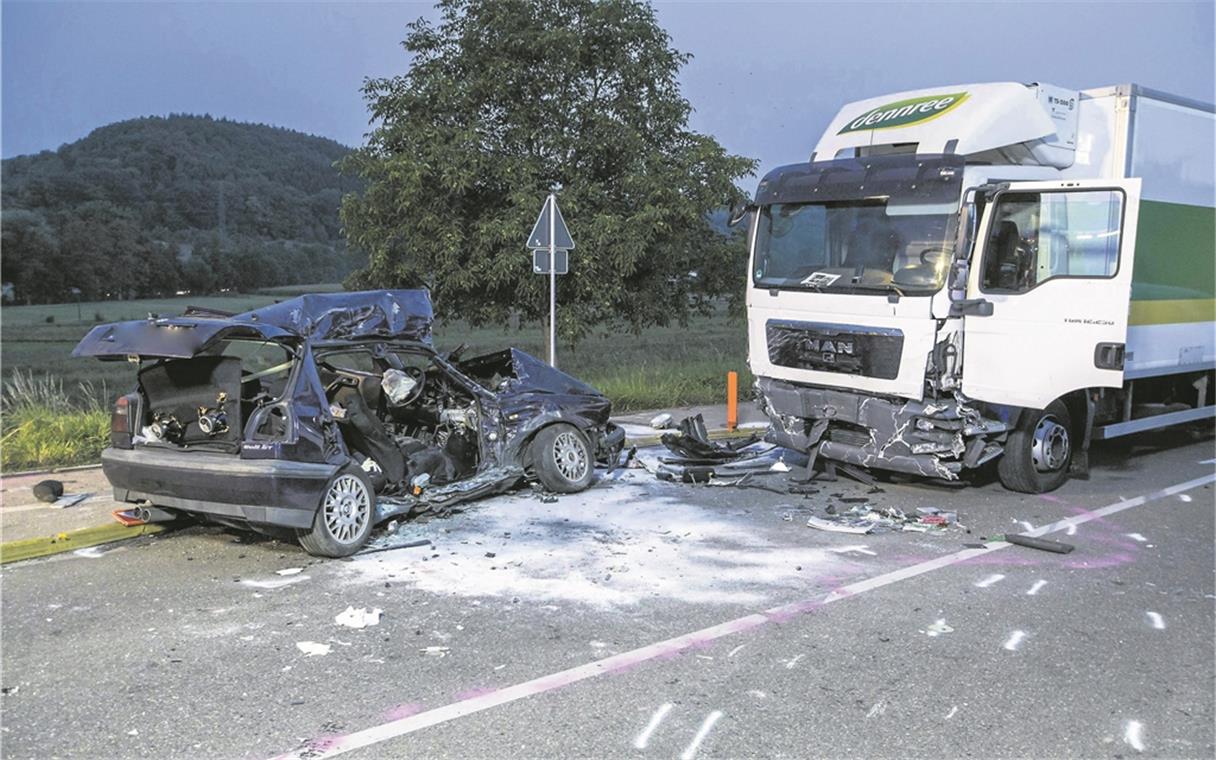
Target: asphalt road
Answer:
[[531, 629]]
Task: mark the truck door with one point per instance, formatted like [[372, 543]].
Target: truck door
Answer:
[[1051, 277]]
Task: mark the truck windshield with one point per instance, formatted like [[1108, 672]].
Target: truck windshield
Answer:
[[875, 244]]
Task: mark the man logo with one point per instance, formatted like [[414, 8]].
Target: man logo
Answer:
[[905, 112]]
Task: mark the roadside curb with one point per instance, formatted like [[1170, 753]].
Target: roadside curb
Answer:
[[45, 546]]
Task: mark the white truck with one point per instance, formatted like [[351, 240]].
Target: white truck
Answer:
[[987, 271]]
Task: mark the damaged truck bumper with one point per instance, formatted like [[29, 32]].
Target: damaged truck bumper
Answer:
[[273, 492], [937, 439]]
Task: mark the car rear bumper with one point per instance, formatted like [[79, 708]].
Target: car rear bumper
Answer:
[[263, 491]]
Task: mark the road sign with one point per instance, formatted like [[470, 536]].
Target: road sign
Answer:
[[561, 261], [550, 230], [550, 242]]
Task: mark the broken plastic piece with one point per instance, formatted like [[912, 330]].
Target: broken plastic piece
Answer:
[[358, 618], [661, 421], [838, 527]]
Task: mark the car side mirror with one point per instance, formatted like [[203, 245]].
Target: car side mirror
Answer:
[[739, 209]]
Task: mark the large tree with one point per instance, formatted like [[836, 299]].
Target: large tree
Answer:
[[505, 100]]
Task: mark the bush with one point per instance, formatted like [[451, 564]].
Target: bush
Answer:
[[50, 319], [43, 425]]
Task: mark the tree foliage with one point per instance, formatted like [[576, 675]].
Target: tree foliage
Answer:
[[150, 206], [506, 99]]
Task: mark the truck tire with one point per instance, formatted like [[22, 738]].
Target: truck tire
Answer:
[[344, 517], [562, 459], [1039, 451]]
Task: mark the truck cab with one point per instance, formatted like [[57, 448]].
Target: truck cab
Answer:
[[947, 282]]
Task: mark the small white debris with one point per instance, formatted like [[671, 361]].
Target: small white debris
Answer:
[[274, 583], [661, 421], [793, 662], [938, 628], [289, 571], [313, 648], [133, 732], [1136, 537], [1015, 640], [92, 552], [991, 579], [858, 548], [1133, 735], [780, 466], [358, 618], [435, 651], [950, 714], [1156, 620], [1184, 497], [878, 709], [1036, 587]]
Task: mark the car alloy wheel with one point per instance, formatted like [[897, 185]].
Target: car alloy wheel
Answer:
[[347, 508], [570, 456]]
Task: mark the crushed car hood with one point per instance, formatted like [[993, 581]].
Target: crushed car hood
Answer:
[[387, 314], [521, 373]]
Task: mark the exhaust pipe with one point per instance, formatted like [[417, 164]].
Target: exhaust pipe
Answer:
[[151, 514]]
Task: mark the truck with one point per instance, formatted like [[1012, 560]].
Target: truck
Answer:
[[987, 272]]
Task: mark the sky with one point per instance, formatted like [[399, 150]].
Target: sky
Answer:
[[765, 80]]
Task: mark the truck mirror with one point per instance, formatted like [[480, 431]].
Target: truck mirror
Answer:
[[739, 209]]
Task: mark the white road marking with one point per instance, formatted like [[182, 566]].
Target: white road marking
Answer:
[[643, 738], [1133, 735], [789, 664], [1035, 588], [1136, 537], [994, 578], [1015, 640], [1155, 619], [333, 746], [691, 750]]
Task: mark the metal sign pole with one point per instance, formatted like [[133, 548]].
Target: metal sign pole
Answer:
[[552, 280]]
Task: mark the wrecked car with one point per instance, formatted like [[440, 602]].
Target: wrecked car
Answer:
[[327, 414]]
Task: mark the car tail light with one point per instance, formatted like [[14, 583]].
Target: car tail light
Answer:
[[121, 422]]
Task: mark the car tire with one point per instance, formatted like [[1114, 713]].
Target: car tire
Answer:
[[344, 517], [1039, 451], [562, 459]]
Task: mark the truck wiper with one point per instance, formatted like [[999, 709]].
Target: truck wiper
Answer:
[[888, 287]]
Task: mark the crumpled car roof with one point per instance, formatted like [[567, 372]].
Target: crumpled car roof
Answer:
[[319, 318]]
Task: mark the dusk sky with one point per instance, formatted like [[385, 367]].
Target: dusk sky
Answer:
[[765, 80]]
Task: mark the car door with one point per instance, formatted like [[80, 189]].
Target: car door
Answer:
[[1054, 260]]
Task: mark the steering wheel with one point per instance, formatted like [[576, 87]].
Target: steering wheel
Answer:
[[418, 375]]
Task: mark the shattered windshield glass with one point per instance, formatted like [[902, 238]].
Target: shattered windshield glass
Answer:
[[852, 246]]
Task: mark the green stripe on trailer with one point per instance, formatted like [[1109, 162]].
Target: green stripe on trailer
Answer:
[[1175, 253]]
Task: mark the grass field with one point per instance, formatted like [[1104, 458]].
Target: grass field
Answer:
[[662, 367]]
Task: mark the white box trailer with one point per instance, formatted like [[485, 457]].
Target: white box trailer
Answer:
[[988, 271]]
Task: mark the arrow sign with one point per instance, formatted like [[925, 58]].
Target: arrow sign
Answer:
[[550, 230]]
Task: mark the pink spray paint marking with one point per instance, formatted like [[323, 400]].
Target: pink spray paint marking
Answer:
[[404, 710], [331, 746]]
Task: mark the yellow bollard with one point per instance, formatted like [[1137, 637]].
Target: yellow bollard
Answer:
[[732, 400]]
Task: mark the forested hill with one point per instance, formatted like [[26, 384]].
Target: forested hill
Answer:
[[155, 205]]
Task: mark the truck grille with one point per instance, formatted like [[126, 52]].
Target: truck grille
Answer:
[[847, 349]]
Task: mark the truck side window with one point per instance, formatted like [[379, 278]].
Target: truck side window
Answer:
[[1038, 236]]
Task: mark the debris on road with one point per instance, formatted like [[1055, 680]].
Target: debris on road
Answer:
[[313, 648], [661, 421], [938, 628], [63, 502], [435, 651], [863, 519], [48, 491], [1043, 544], [693, 446], [289, 571], [358, 618]]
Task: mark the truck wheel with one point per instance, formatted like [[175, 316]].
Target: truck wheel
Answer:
[[561, 458], [1039, 451], [344, 518]]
